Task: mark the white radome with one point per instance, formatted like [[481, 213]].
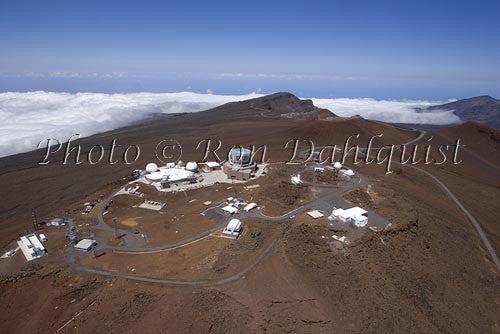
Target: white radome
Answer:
[[337, 165], [192, 166], [151, 167]]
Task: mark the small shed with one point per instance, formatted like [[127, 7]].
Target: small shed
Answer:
[[347, 172], [57, 222], [230, 209], [250, 206], [212, 165]]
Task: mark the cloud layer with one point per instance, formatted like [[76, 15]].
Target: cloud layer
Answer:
[[388, 110], [28, 118]]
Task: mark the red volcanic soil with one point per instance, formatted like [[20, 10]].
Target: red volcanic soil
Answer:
[[50, 189], [427, 273]]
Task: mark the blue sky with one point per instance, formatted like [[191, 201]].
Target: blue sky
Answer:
[[379, 49]]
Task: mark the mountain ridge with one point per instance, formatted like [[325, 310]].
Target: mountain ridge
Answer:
[[482, 109]]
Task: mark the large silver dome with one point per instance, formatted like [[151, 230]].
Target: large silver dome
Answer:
[[240, 156]]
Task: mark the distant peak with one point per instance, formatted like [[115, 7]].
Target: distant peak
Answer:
[[283, 102]]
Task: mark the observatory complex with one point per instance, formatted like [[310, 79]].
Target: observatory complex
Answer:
[[172, 174], [174, 177]]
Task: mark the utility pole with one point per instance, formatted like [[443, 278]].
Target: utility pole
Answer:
[[35, 222], [116, 228]]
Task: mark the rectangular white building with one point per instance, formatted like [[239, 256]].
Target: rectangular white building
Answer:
[[85, 245], [31, 247], [212, 165], [230, 209], [315, 214], [347, 172], [250, 206]]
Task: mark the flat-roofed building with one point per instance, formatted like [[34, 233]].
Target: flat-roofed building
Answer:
[[85, 245], [315, 214], [230, 209], [355, 215], [212, 165], [31, 247]]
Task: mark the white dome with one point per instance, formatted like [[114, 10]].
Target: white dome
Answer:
[[337, 165], [151, 167], [192, 166]]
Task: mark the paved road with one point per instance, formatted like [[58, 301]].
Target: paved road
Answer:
[[471, 218], [330, 197]]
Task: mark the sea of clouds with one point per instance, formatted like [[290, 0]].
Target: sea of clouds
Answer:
[[28, 118]]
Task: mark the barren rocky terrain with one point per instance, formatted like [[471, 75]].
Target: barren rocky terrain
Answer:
[[429, 272]]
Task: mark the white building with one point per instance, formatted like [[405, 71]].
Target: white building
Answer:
[[250, 206], [337, 165], [212, 165], [172, 174], [31, 247], [347, 172], [319, 169], [315, 214], [295, 180], [230, 209], [57, 222], [233, 229], [85, 245], [355, 215]]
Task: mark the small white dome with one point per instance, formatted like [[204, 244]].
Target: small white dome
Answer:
[[337, 165], [151, 167], [192, 166]]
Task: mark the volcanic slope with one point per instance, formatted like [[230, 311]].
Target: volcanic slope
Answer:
[[428, 273], [51, 188]]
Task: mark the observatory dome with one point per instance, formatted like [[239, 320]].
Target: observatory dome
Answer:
[[192, 166], [240, 156], [337, 165], [151, 167]]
